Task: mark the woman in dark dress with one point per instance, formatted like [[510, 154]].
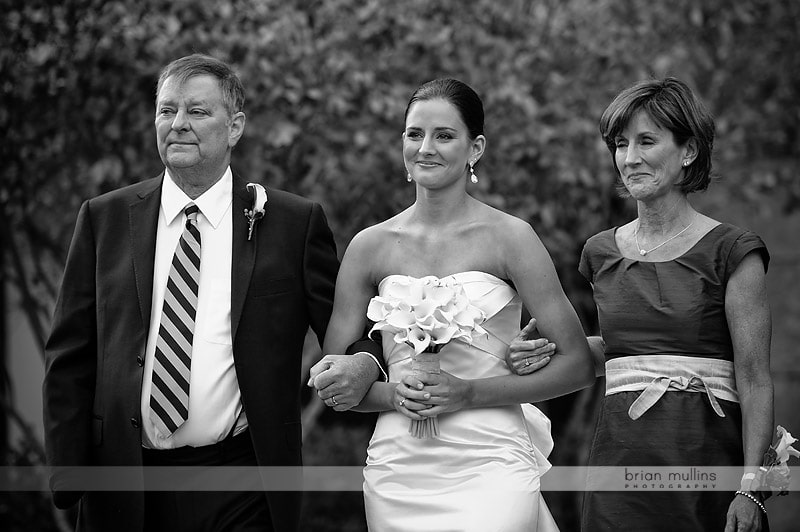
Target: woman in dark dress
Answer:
[[684, 315]]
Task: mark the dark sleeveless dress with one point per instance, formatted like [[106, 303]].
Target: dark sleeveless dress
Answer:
[[673, 307]]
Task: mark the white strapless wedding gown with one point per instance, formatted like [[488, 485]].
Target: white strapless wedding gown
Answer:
[[482, 472]]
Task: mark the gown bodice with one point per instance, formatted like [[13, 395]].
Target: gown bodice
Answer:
[[485, 357]]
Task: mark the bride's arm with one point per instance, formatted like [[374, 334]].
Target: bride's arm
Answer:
[[347, 377], [350, 379], [530, 268]]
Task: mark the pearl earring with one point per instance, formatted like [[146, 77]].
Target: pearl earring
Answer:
[[408, 177], [472, 176], [685, 163]]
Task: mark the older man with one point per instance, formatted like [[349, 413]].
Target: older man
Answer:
[[179, 326]]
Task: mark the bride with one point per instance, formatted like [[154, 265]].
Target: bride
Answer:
[[482, 471]]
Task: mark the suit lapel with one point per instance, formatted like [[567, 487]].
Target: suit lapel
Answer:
[[143, 223], [244, 251]]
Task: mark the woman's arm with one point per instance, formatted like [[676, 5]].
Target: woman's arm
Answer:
[[334, 375], [530, 268], [347, 378], [354, 289], [750, 324]]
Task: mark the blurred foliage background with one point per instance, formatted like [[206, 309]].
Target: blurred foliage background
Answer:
[[327, 83]]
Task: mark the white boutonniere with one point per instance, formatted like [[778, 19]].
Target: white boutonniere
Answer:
[[255, 213]]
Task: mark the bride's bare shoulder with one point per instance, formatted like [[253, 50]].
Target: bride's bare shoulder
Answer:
[[370, 239], [507, 226]]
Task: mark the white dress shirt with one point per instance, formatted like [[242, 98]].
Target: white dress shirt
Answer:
[[215, 402]]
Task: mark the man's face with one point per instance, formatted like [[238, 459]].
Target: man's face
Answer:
[[193, 128]]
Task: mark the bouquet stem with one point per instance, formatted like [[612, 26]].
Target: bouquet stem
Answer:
[[423, 365]]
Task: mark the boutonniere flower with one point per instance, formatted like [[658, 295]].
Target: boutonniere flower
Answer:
[[256, 212]]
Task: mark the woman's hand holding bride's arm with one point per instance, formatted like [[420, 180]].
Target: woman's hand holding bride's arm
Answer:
[[528, 352]]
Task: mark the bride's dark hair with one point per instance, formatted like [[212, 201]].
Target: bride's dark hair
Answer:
[[457, 93]]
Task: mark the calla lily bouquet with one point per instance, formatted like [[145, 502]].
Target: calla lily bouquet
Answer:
[[425, 313], [775, 474], [256, 212]]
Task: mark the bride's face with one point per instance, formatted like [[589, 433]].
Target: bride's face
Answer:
[[436, 144]]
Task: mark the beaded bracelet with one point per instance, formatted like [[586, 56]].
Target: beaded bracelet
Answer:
[[752, 498]]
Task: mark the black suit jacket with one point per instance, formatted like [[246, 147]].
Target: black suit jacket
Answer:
[[282, 282]]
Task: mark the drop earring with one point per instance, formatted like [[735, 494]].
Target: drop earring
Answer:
[[472, 176], [408, 177]]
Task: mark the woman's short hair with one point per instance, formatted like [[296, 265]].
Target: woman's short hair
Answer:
[[672, 105], [200, 64], [459, 95]]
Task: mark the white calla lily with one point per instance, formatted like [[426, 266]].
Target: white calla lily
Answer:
[[379, 307], [259, 197], [258, 208], [424, 311], [419, 339]]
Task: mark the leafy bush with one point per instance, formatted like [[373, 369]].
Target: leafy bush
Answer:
[[327, 83]]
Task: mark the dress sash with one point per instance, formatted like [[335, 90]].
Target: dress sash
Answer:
[[654, 375]]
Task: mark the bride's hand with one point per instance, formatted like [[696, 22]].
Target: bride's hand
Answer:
[[527, 352], [447, 392], [409, 397]]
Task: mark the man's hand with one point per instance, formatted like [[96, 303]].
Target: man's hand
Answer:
[[342, 381], [528, 352]]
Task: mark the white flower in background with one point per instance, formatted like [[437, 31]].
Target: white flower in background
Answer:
[[775, 473]]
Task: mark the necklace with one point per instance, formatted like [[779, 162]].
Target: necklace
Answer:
[[644, 252]]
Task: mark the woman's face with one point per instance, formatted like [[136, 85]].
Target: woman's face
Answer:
[[648, 160], [436, 144]]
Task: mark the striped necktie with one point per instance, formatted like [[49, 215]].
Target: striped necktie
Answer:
[[169, 396]]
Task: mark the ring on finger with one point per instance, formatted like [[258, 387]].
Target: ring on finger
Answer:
[[402, 402], [527, 361], [333, 400]]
